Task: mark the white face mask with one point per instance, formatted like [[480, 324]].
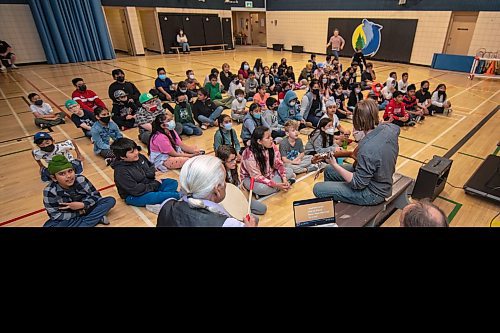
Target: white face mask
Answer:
[[240, 99], [292, 103], [357, 90], [358, 135], [325, 80], [330, 131]]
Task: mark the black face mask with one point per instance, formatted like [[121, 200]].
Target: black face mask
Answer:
[[120, 79], [183, 104], [441, 93], [315, 91], [82, 87], [237, 82], [425, 89], [39, 102], [48, 148], [105, 120]]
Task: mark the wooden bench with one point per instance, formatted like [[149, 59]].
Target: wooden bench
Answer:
[[177, 48], [348, 215]]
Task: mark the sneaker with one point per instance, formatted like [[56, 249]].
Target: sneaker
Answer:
[[349, 116], [292, 181], [14, 66], [108, 161], [204, 127], [411, 123], [431, 113], [3, 69], [42, 126], [104, 220], [155, 209], [450, 110]]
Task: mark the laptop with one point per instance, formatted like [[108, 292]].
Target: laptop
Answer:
[[319, 212]]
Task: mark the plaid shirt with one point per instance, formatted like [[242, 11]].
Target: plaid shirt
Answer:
[[143, 116], [54, 194]]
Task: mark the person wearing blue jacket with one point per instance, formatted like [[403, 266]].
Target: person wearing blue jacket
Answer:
[[289, 109], [102, 132], [252, 120]]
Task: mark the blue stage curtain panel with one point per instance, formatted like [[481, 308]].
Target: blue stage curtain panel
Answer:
[[72, 30]]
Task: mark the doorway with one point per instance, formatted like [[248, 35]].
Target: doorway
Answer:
[[119, 29], [249, 28], [460, 33]]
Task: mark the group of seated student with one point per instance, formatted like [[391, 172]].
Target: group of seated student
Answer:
[[271, 151]]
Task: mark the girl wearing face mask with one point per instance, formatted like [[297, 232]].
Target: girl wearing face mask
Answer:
[[234, 85], [377, 95], [271, 117], [324, 85], [439, 103], [339, 98], [424, 97], [166, 149], [312, 106], [282, 68], [252, 120], [290, 109], [102, 132], [243, 72], [262, 161], [354, 97], [322, 139], [345, 82], [226, 135], [182, 40]]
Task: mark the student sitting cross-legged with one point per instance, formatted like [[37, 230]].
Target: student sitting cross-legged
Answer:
[[47, 150], [395, 111], [228, 156], [252, 120], [322, 139], [102, 132], [87, 98], [81, 118], [71, 200], [292, 150], [166, 149], [45, 117], [135, 176], [184, 116], [262, 161], [238, 106], [205, 110], [226, 135]]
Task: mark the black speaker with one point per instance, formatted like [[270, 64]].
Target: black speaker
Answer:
[[432, 178], [297, 49], [278, 47]]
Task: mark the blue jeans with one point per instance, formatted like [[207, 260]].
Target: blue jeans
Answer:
[[191, 129], [335, 53], [336, 187], [185, 47], [213, 117], [77, 165], [100, 209], [383, 105], [167, 190]]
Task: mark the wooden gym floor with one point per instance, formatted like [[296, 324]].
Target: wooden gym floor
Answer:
[[21, 187]]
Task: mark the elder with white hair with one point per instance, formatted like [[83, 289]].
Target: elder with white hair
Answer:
[[203, 183]]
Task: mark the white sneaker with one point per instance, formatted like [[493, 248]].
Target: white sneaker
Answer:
[[3, 69], [14, 66], [155, 209]]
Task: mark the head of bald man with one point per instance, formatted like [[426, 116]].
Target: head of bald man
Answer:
[[423, 214]]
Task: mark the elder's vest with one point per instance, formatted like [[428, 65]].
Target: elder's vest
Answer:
[[178, 214]]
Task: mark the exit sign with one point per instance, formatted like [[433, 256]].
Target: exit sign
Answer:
[[249, 4]]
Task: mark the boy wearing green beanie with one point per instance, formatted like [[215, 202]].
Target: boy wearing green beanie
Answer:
[[71, 200], [83, 119]]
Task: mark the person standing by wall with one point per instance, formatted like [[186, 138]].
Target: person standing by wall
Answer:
[[337, 43]]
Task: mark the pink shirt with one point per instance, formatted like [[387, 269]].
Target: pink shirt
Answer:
[[261, 101], [250, 168], [161, 143], [337, 42]]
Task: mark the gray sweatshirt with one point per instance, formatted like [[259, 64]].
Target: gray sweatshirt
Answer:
[[377, 156]]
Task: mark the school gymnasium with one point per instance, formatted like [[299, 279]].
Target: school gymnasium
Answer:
[[447, 150]]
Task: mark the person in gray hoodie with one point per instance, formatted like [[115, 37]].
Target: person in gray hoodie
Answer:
[[370, 182], [290, 109]]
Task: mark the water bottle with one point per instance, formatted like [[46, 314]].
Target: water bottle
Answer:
[[344, 144]]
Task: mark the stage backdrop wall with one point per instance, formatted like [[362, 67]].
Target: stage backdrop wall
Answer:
[[380, 39]]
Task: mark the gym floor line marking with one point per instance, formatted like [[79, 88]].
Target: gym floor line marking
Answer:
[[422, 142], [479, 158], [454, 211], [18, 218], [127, 69]]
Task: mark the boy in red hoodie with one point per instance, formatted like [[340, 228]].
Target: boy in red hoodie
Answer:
[[87, 99], [395, 111]]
